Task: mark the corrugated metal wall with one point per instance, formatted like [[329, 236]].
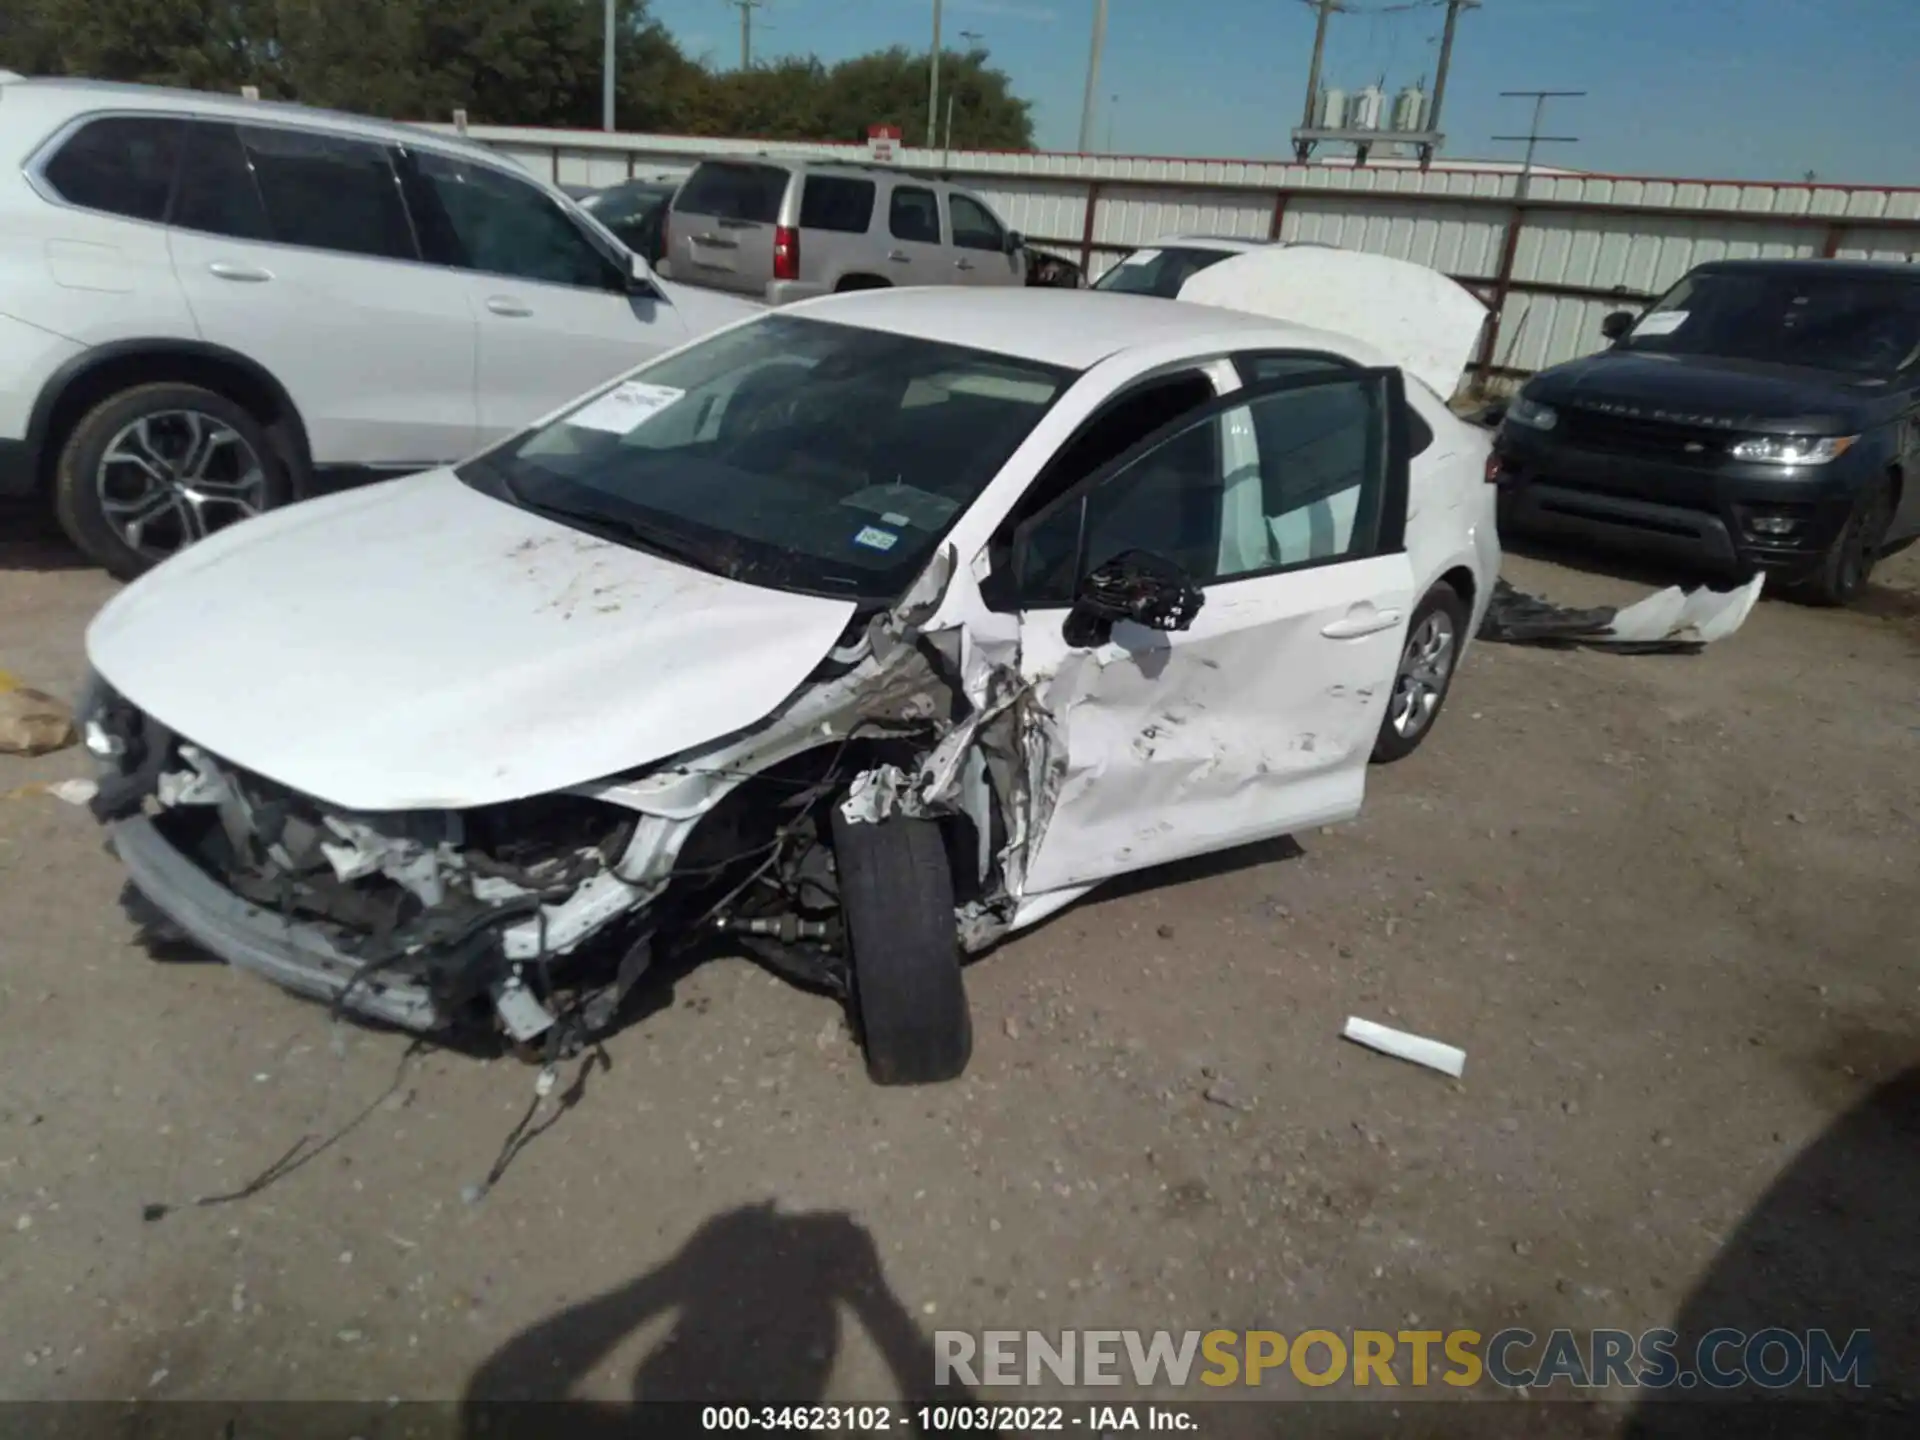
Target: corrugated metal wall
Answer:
[[1553, 265]]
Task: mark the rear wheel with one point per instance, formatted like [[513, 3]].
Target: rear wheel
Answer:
[[1849, 561], [1420, 685], [896, 897], [155, 468], [860, 282]]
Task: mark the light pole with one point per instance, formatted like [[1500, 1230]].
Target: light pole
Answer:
[[933, 83], [1113, 107], [607, 67], [1093, 75], [973, 39]]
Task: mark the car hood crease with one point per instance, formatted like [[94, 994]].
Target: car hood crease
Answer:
[[419, 644]]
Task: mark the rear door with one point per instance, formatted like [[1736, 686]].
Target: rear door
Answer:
[[720, 232], [294, 248], [559, 312], [980, 244], [1258, 720], [916, 249]]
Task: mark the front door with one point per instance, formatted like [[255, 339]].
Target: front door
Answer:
[[916, 254], [1286, 504], [555, 311]]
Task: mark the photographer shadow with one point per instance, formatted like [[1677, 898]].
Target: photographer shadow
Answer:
[[758, 1299]]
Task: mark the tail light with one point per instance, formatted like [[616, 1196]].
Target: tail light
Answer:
[[786, 253]]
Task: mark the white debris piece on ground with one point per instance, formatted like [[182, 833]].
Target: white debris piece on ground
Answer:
[[1676, 614], [1447, 1059], [74, 792]]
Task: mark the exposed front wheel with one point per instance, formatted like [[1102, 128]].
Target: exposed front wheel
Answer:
[[1849, 561], [153, 469], [908, 1000], [1425, 673]]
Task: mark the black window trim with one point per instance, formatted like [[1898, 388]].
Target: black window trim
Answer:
[[1393, 495]]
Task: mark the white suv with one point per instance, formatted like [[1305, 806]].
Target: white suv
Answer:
[[211, 306]]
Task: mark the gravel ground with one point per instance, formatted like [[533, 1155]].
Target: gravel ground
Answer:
[[1665, 904]]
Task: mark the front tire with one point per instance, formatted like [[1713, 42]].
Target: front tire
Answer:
[[908, 1000], [1848, 563], [1425, 674], [155, 468]]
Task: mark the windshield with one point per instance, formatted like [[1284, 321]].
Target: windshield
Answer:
[[792, 453], [625, 202], [1159, 272], [1861, 324]]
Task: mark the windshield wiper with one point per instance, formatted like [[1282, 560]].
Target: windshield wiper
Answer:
[[623, 530]]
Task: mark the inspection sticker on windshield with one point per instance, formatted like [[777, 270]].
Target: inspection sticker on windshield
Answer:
[[874, 538], [1661, 322], [625, 407]]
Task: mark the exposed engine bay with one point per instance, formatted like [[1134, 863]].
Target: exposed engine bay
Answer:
[[536, 917]]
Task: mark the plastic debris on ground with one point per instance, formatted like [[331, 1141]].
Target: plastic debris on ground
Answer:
[[74, 792], [1447, 1059], [32, 722], [1668, 622]]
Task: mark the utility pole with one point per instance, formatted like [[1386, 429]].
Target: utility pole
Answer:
[[608, 67], [1454, 7], [1533, 137], [1323, 8], [746, 9], [933, 84], [1093, 76]]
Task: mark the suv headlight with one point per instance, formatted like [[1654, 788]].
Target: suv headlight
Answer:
[[1792, 449], [1532, 414]]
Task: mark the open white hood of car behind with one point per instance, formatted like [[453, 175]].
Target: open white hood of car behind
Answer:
[[420, 645], [1424, 322]]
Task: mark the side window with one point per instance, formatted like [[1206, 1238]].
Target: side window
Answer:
[[974, 227], [328, 192], [1293, 477], [123, 166], [216, 192], [1260, 369], [914, 214], [834, 202], [476, 218]]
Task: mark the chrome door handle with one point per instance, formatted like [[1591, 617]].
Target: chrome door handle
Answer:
[[503, 305], [1354, 626], [234, 270], [899, 257]]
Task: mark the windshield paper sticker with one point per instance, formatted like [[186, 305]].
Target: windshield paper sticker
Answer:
[[874, 538], [1141, 257], [1661, 322], [625, 408]]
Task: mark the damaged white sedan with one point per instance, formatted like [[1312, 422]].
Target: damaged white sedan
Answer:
[[856, 636]]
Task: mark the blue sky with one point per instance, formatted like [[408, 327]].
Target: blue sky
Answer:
[[1761, 89]]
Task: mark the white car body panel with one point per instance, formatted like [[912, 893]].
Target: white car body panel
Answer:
[[420, 645], [1423, 321], [377, 354]]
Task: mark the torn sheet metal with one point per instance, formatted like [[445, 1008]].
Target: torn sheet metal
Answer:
[[1670, 621]]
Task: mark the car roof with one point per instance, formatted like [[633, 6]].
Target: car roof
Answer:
[[1074, 329], [58, 98]]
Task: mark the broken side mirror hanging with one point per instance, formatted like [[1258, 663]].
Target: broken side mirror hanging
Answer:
[[1134, 585]]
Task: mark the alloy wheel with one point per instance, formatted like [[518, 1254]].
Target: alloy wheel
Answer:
[[1426, 665], [174, 477]]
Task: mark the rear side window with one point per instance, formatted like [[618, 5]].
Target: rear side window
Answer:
[[834, 202], [123, 166], [216, 192], [329, 193], [914, 215], [974, 227], [734, 192]]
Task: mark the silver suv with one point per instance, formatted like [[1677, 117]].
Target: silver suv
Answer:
[[787, 230]]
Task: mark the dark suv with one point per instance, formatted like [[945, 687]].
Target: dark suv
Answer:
[[1762, 415]]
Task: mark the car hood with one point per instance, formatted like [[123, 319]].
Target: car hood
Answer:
[[1422, 321], [421, 645], [1707, 390]]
